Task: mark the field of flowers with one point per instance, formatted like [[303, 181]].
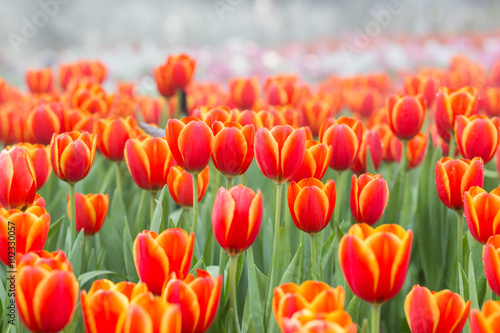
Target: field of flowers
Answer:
[[363, 203]]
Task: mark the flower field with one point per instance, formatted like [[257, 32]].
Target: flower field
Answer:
[[360, 203]]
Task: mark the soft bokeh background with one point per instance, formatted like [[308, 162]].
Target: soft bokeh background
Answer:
[[243, 37]]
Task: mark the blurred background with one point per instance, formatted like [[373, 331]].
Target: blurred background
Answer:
[[231, 38]]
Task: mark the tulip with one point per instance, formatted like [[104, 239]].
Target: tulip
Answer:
[[415, 150], [491, 262], [46, 291], [180, 69], [433, 312], [90, 97], [233, 148], [375, 262], [276, 94], [17, 179], [198, 299], [180, 185], [406, 115], [369, 197], [337, 322], [105, 302], [315, 111], [40, 157], [477, 136], [209, 116], [150, 314], [39, 81], [486, 320], [113, 135], [291, 301], [153, 110], [315, 163], [481, 210], [425, 85], [163, 81], [373, 142], [43, 121], [244, 92], [158, 257], [91, 211], [363, 101], [492, 101], [30, 227]]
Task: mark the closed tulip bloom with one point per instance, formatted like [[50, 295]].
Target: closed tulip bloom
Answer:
[[105, 302], [291, 300], [423, 84], [191, 142], [39, 81], [477, 136], [150, 314], [415, 150], [279, 152], [435, 312], [233, 148], [375, 261], [157, 257], [315, 163], [369, 197], [306, 322], [345, 136], [455, 177], [40, 157], [482, 213], [373, 142], [46, 291], [163, 81], [149, 161], [91, 211], [244, 92], [181, 69], [236, 218], [315, 111], [42, 122], [198, 299], [180, 185], [492, 101], [17, 179], [311, 203], [31, 229], [72, 155], [450, 104], [113, 135], [491, 262], [406, 115], [486, 320], [391, 146]]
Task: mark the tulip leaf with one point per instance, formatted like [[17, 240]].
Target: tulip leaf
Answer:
[[128, 256], [327, 250], [110, 175], [156, 221], [358, 309], [369, 161], [472, 285], [251, 327], [142, 212], [292, 273], [51, 243], [257, 290], [199, 265], [86, 277], [208, 253], [75, 255]]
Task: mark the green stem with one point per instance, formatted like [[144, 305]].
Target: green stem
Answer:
[[243, 179], [488, 294], [233, 263], [451, 150], [229, 183], [84, 253], [72, 211], [152, 204], [195, 203], [460, 232], [404, 159], [119, 179], [376, 318], [313, 257], [336, 213], [184, 220], [178, 110]]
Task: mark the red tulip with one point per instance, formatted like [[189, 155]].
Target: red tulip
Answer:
[[279, 152], [39, 80], [43, 121], [482, 211], [415, 150], [113, 135], [373, 142], [491, 262], [486, 320], [244, 92], [90, 213], [369, 197], [405, 115], [477, 136], [315, 163], [40, 157], [425, 85], [180, 185], [315, 111]]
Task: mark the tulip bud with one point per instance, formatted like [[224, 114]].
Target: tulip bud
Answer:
[[369, 197], [180, 185], [405, 115], [477, 136], [39, 81], [244, 92], [90, 212]]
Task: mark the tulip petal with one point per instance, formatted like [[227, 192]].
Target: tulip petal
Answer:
[[421, 310], [267, 153]]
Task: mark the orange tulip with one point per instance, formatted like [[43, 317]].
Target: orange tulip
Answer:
[[486, 320], [415, 150], [369, 197], [406, 115], [363, 101], [43, 121], [257, 119], [311, 203], [337, 322], [233, 148], [46, 291], [315, 163], [91, 211], [164, 81], [315, 111], [113, 135], [89, 97], [39, 81], [422, 84], [17, 179], [391, 145], [372, 141], [236, 218], [451, 104], [433, 312], [151, 109], [375, 261], [181, 69], [22, 232], [40, 157], [455, 177], [180, 185], [149, 161], [72, 155], [291, 301], [491, 262], [105, 302], [244, 92], [198, 299], [477, 136], [345, 136], [280, 152], [150, 314], [492, 101], [191, 142], [481, 210], [158, 257], [211, 115]]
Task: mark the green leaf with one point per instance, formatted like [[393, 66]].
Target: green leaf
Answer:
[[292, 273], [51, 243], [75, 255], [208, 253], [156, 222], [86, 277], [199, 264], [128, 255], [257, 291], [327, 250], [142, 213], [472, 285]]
